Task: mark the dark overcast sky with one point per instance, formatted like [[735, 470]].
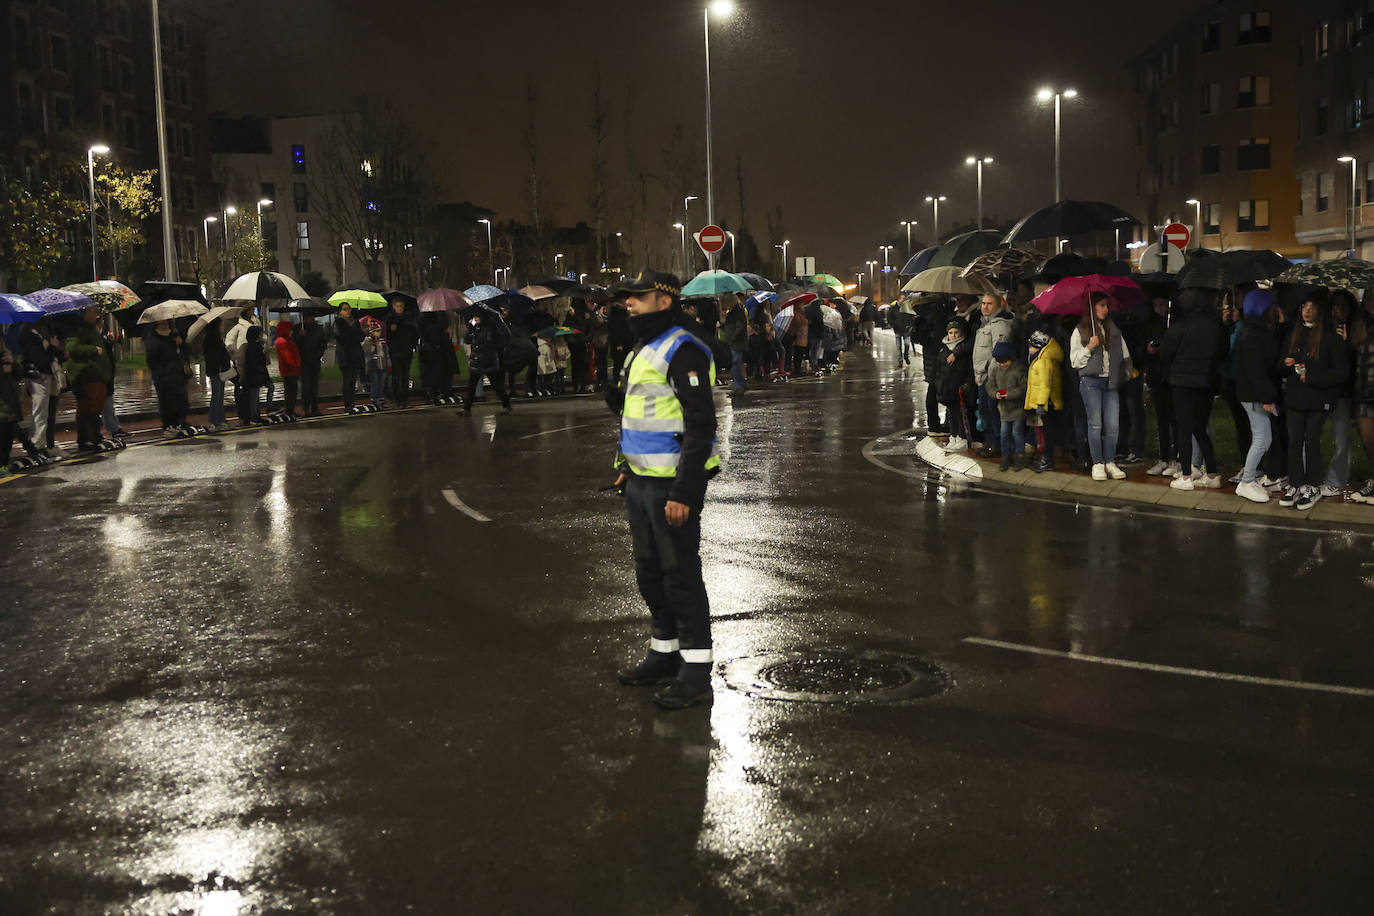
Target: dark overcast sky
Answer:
[[846, 113]]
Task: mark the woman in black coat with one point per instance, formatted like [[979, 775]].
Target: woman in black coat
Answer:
[[255, 376], [1254, 362], [1314, 368], [217, 362], [167, 363], [1191, 356], [485, 343]]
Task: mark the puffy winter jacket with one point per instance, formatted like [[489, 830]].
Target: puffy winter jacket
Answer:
[[990, 333], [1193, 351], [1045, 379], [166, 360], [1013, 381], [1327, 370], [1253, 363], [1362, 339], [288, 354]]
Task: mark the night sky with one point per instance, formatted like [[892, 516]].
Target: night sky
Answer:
[[846, 114]]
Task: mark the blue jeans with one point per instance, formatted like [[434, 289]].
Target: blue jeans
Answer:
[[815, 353], [216, 417], [1338, 472], [737, 371], [987, 410], [1261, 437], [377, 378], [1013, 438], [903, 348], [1103, 407], [108, 417]]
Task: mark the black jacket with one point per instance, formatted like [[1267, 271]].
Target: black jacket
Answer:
[[166, 360], [484, 344], [957, 376], [1327, 370], [1193, 350], [1362, 329], [36, 353], [255, 361], [1254, 362], [401, 336], [310, 341], [348, 344], [928, 329], [735, 330], [216, 353], [868, 313]]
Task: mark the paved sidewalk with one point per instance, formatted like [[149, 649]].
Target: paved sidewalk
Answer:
[[1137, 489]]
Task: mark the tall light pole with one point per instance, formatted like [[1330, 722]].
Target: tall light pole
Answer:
[[734, 255], [683, 229], [1045, 95], [1353, 206], [262, 203], [99, 149], [343, 262], [621, 250], [1197, 218], [934, 201], [979, 161], [556, 266], [228, 212], [871, 287], [908, 223], [491, 252], [783, 249], [169, 250], [722, 9], [208, 220], [885, 249], [686, 222]]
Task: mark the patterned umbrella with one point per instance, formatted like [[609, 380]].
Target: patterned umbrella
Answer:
[[1004, 261], [109, 294], [947, 280], [57, 301], [18, 310], [172, 308], [961, 249], [482, 293], [264, 285], [1070, 295], [1342, 273], [443, 300]]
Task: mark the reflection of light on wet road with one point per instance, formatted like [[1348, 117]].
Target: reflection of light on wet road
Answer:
[[125, 536], [221, 903], [279, 510], [740, 806]]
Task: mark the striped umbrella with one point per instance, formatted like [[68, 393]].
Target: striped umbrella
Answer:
[[58, 301], [262, 286], [18, 310], [443, 300]]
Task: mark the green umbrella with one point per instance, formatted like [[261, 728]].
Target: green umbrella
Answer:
[[359, 299], [1343, 273], [962, 249], [715, 282], [829, 280]]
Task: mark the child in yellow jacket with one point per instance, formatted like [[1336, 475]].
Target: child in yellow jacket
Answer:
[[1044, 394]]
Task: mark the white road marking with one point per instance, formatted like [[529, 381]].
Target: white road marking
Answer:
[[463, 507], [1172, 669], [561, 429]]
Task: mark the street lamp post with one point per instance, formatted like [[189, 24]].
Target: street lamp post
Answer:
[[557, 268], [206, 223], [99, 149], [683, 229], [228, 212], [908, 223], [686, 222], [491, 252], [343, 262], [1353, 206], [262, 203], [979, 162], [169, 251], [734, 255], [1197, 218], [721, 8], [871, 286], [885, 249], [1045, 95], [935, 202], [783, 249]]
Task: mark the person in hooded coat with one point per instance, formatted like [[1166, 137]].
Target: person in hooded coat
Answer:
[[217, 363], [348, 352], [956, 385], [485, 344], [288, 365], [255, 375], [1254, 371], [401, 338], [168, 364], [310, 341], [1315, 365], [433, 340]]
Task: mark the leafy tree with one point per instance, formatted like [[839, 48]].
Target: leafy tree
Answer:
[[35, 214], [129, 198]]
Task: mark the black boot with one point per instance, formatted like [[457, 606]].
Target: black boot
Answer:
[[656, 668]]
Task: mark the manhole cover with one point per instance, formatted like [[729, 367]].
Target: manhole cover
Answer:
[[836, 676]]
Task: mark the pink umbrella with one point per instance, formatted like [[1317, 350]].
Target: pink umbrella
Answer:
[[1070, 295], [443, 300]]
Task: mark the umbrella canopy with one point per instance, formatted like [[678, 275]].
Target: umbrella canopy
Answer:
[[829, 280], [715, 282], [960, 250], [58, 301], [947, 280], [1070, 295], [483, 292], [859, 300], [108, 294], [153, 292], [312, 306], [443, 300], [262, 286], [1070, 217], [18, 310], [554, 330], [215, 314], [360, 297], [782, 321], [831, 318], [1008, 261], [559, 285], [393, 294], [1342, 273], [512, 299], [1232, 268], [172, 308], [800, 299], [752, 304], [919, 261], [762, 284], [537, 292]]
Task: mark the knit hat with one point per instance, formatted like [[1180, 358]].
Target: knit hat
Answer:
[[1257, 303], [1003, 351], [957, 323], [1039, 340]]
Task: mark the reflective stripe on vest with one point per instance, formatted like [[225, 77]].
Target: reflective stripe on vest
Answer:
[[651, 425]]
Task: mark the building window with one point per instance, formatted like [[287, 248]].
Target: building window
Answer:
[[126, 76], [128, 131], [1211, 219], [126, 21], [1321, 45], [298, 158], [107, 117], [1253, 154], [104, 62], [1252, 216], [1354, 111], [192, 240], [176, 195], [1252, 91], [190, 194], [267, 191], [1369, 181], [1211, 160], [1323, 191], [60, 60], [1211, 37], [302, 235], [184, 89], [62, 112], [1163, 123], [300, 195], [1322, 120], [1254, 28], [1211, 98], [28, 112], [187, 148]]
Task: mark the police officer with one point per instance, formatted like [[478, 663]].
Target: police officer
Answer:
[[667, 455]]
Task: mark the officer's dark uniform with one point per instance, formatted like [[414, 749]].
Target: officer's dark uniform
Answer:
[[668, 452]]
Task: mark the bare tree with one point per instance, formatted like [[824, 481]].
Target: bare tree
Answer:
[[532, 149], [598, 197]]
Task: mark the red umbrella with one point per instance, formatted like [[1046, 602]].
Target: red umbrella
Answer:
[[800, 299], [1070, 295], [443, 300]]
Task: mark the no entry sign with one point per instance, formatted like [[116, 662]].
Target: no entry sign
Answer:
[[711, 239], [1177, 234]]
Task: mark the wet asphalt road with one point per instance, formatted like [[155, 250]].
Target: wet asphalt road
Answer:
[[281, 672]]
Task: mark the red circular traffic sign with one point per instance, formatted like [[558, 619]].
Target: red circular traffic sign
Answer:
[[1177, 234], [711, 239]]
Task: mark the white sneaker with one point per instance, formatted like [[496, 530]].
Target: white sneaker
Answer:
[[1199, 473], [1157, 469], [1173, 469], [1181, 483], [1115, 472], [170, 432], [1276, 486], [1211, 482], [1330, 492], [1099, 472], [1365, 494], [956, 444], [1252, 491]]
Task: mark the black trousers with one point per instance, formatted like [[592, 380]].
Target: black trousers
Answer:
[[310, 386], [400, 377], [350, 385], [291, 385], [496, 378], [172, 403], [933, 422], [1162, 397], [668, 564], [1193, 406], [1305, 447]]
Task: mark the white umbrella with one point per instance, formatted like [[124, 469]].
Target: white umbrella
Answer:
[[947, 280], [831, 318], [172, 308], [203, 322]]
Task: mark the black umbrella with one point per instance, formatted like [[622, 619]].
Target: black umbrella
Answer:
[[1238, 267], [962, 249], [559, 285], [918, 262], [1071, 217], [1158, 283], [1063, 265], [312, 306], [154, 292], [412, 304], [1204, 273]]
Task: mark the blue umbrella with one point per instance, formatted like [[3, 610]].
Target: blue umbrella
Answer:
[[919, 261], [17, 310], [762, 284], [752, 304], [715, 282], [482, 293], [57, 301], [512, 299]]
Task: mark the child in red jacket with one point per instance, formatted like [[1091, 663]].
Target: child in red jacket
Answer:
[[288, 364]]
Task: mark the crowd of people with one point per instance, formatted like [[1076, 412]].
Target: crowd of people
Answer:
[[1000, 373]]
